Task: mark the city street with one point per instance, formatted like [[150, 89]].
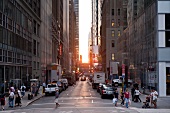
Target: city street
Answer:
[[81, 98]]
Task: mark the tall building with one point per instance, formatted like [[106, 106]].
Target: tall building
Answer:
[[148, 46], [19, 42], [113, 23], [76, 9], [64, 62], [72, 37]]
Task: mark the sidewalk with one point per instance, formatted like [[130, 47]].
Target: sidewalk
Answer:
[[25, 102]]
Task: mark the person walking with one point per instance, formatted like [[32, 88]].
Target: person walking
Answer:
[[11, 98], [127, 95], [23, 88], [2, 99], [122, 98], [33, 89], [116, 95], [154, 96], [56, 97], [132, 93], [17, 99], [137, 93]]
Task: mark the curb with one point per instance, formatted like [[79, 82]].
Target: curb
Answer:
[[30, 102]]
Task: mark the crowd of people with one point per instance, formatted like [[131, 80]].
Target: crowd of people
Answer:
[[150, 100], [14, 97]]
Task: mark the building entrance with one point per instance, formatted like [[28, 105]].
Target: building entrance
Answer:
[[168, 80]]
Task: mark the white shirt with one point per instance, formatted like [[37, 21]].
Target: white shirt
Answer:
[[24, 88], [137, 92], [155, 95], [11, 94]]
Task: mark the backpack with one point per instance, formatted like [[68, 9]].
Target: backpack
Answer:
[[23, 88]]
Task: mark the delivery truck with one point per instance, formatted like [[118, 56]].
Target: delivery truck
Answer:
[[98, 77]]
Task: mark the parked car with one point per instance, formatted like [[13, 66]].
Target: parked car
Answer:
[[115, 82], [99, 87], [107, 91], [65, 81], [51, 88]]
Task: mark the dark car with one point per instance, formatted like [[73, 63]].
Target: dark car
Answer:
[[99, 87], [107, 91], [83, 78]]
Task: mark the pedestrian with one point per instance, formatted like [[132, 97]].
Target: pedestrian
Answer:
[[127, 95], [116, 95], [154, 96], [23, 88], [137, 93], [132, 93], [124, 88], [44, 85], [122, 98], [11, 98], [33, 89], [56, 97], [18, 98], [2, 99]]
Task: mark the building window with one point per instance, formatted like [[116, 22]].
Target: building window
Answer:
[[9, 56], [118, 33], [34, 26], [113, 33], [1, 35], [112, 11], [17, 29], [38, 29], [113, 23], [118, 22], [9, 24], [118, 11], [38, 67], [34, 65], [167, 36], [167, 21], [0, 18], [113, 56], [113, 43], [34, 47], [1, 55]]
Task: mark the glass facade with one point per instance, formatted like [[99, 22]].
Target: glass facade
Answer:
[[15, 44]]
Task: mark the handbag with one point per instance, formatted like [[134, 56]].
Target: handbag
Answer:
[[114, 100]]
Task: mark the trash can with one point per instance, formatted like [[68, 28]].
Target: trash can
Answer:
[[29, 97]]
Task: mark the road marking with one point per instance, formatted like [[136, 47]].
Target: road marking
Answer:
[[90, 93], [67, 94], [91, 101]]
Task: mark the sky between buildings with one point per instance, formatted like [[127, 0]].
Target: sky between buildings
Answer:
[[84, 27]]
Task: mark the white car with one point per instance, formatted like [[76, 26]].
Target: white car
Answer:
[[51, 88]]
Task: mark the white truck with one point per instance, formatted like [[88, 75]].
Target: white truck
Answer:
[[51, 88], [98, 77]]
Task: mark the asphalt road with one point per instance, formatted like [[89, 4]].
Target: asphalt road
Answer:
[[81, 98]]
